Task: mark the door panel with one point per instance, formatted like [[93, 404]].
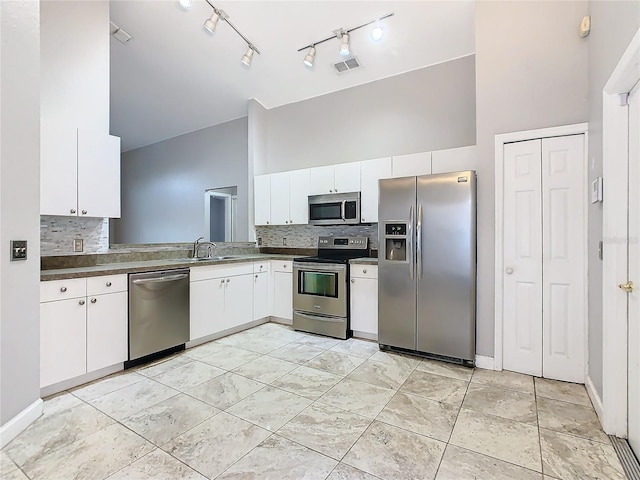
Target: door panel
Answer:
[[298, 196], [446, 261], [280, 198], [634, 272], [522, 258], [563, 253]]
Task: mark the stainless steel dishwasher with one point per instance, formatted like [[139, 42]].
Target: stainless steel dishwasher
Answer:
[[158, 311]]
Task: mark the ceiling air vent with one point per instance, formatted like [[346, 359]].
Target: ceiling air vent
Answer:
[[348, 64]]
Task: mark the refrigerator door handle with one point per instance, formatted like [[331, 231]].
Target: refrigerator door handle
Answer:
[[419, 242], [410, 243]]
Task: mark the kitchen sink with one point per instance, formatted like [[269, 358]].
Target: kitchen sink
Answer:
[[201, 259]]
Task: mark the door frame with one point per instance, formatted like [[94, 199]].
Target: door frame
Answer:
[[615, 161], [500, 141]]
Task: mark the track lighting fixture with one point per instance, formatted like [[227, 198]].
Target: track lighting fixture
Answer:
[[309, 57], [344, 35], [211, 23], [344, 47]]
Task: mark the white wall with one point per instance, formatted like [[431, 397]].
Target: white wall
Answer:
[[531, 72], [432, 108], [19, 206], [613, 25], [163, 184]]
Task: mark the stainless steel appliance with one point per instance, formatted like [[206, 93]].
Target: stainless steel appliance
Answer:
[[427, 265], [321, 286], [334, 209], [158, 311]]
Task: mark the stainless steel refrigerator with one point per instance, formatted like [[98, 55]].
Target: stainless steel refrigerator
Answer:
[[427, 265]]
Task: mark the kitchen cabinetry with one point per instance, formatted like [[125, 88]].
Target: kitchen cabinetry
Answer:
[[80, 173], [83, 326], [364, 300], [340, 178], [282, 288], [261, 297], [370, 172], [412, 164], [262, 199], [218, 298], [454, 160], [289, 192]]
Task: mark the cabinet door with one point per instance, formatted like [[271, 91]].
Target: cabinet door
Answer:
[[280, 198], [364, 305], [107, 333], [206, 307], [63, 340], [58, 170], [347, 177], [412, 164], [370, 172], [262, 199], [238, 300], [299, 197], [98, 174], [283, 295], [454, 160], [321, 180], [260, 295]]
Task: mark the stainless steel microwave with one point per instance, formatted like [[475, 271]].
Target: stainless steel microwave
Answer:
[[334, 209]]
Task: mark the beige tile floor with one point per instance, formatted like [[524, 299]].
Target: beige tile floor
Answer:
[[271, 403]]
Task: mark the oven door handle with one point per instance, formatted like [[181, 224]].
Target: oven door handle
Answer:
[[319, 267]]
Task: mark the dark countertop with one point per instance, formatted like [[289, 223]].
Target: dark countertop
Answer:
[[150, 265]]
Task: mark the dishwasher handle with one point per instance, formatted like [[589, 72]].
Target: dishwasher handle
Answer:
[[163, 279]]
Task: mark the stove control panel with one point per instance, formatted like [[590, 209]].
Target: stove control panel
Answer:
[[343, 242]]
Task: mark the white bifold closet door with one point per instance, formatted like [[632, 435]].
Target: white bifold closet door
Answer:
[[544, 256]]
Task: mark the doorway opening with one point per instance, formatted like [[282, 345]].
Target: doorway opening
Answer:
[[220, 212]]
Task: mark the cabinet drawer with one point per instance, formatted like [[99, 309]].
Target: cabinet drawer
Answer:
[[259, 267], [106, 284], [364, 271], [282, 266], [63, 289], [218, 271]]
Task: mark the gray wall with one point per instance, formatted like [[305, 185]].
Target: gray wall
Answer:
[[432, 108], [19, 185], [531, 72], [613, 25], [163, 184]]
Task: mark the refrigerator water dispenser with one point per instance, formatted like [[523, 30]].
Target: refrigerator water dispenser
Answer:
[[395, 242]]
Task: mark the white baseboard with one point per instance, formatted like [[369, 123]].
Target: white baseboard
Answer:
[[17, 424], [282, 321], [80, 380], [485, 362], [595, 399]]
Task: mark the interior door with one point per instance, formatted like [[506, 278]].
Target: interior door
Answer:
[[522, 258], [563, 252], [634, 272]]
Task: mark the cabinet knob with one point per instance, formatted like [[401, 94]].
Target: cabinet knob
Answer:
[[362, 219], [63, 289], [286, 221], [364, 270], [290, 221], [84, 212], [267, 222], [509, 271], [228, 280], [73, 210], [108, 284], [94, 300], [353, 280], [330, 191], [256, 276], [284, 265], [81, 302], [222, 281]]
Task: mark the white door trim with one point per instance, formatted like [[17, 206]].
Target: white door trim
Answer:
[[615, 161], [500, 140]]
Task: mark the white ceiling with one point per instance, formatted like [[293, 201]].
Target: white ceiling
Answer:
[[174, 77]]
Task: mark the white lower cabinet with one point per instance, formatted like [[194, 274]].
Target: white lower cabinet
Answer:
[[238, 304], [282, 288], [206, 307], [261, 292], [364, 299], [83, 326]]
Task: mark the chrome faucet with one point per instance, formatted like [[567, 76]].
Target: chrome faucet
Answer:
[[210, 247], [196, 244]]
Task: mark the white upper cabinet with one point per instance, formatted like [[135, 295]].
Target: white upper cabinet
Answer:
[[322, 180], [347, 177], [58, 170], [370, 172], [289, 192], [412, 164], [454, 160], [262, 199]]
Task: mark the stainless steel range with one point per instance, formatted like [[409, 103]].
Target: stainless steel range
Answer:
[[321, 286]]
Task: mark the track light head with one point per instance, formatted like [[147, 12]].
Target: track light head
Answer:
[[211, 22], [344, 47], [376, 33], [247, 57], [185, 4], [309, 57]]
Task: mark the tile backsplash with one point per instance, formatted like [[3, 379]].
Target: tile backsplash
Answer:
[[57, 234], [306, 236]]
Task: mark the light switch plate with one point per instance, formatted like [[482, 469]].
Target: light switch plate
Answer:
[[78, 245], [596, 190], [18, 250]]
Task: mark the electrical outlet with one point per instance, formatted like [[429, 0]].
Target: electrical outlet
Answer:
[[259, 241], [78, 245], [18, 250], [284, 241]]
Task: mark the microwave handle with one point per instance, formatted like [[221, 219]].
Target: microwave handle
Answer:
[[344, 206]]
